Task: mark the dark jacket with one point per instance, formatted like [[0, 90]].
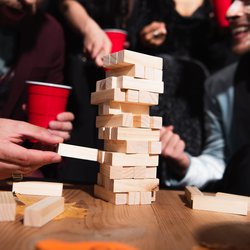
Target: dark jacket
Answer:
[[40, 58]]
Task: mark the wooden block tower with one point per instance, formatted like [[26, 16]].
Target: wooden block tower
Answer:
[[131, 136]]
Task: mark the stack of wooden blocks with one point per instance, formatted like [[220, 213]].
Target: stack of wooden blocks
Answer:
[[131, 136]]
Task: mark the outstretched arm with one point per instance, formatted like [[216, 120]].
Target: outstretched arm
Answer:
[[96, 43]]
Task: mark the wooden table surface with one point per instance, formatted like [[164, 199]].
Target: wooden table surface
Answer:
[[167, 224]]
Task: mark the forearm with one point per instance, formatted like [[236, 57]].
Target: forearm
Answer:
[[75, 14]]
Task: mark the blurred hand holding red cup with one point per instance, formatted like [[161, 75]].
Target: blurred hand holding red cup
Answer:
[[117, 37], [46, 101]]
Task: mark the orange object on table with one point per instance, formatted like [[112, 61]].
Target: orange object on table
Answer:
[[90, 245]]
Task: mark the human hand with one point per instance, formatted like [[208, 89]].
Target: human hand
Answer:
[[173, 147], [62, 126], [154, 34], [16, 159], [96, 42]]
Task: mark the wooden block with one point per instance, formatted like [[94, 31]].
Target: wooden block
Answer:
[[145, 198], [134, 198], [154, 147], [122, 120], [108, 83], [141, 121], [123, 146], [43, 211], [131, 95], [128, 57], [101, 155], [113, 58], [190, 192], [236, 197], [107, 95], [140, 172], [117, 172], [7, 206], [101, 85], [153, 74], [38, 188], [121, 159], [150, 173], [115, 198], [123, 172], [156, 122], [133, 134], [148, 98], [127, 82], [158, 75], [106, 60], [149, 72], [110, 108], [219, 204], [130, 185], [131, 70], [77, 152]]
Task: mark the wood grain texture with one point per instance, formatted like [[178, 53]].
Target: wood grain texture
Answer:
[[38, 188], [7, 206], [167, 224]]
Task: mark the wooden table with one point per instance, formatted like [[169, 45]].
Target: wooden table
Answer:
[[167, 224]]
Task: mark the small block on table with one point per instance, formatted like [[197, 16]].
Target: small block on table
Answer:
[[38, 188], [190, 192], [43, 211], [7, 206], [234, 196], [219, 204]]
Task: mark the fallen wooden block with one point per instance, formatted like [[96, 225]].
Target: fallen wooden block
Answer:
[[77, 152], [38, 188], [7, 206], [236, 197], [190, 192], [219, 204], [43, 211]]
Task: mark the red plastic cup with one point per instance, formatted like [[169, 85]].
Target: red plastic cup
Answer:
[[45, 102], [117, 37], [220, 10]]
